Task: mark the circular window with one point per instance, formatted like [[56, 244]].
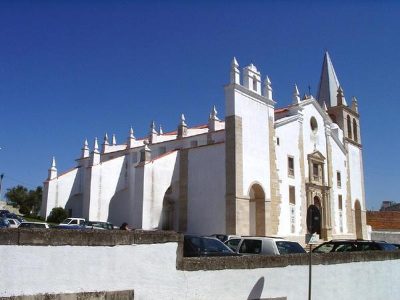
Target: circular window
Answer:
[[314, 124]]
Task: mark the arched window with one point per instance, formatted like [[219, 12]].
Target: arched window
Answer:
[[349, 127], [314, 125], [355, 130]]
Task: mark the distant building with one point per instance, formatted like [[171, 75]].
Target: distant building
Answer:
[[390, 206], [254, 173]]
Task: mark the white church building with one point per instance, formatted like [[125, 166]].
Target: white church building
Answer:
[[254, 173]]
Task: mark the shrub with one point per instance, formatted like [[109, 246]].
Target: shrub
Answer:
[[57, 215]]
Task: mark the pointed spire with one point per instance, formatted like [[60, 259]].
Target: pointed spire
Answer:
[[328, 84], [105, 140], [296, 95], [183, 120], [53, 163], [153, 127], [131, 139], [182, 127], [153, 132], [235, 73], [114, 140], [131, 133], [267, 88], [354, 104], [95, 155], [85, 149], [325, 107], [341, 100], [53, 170], [213, 114], [96, 146], [160, 130]]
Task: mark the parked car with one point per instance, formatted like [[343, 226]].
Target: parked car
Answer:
[[4, 223], [397, 246], [223, 237], [195, 246], [33, 225], [13, 216], [233, 243], [14, 223], [99, 225], [353, 245], [3, 212], [73, 222], [265, 246]]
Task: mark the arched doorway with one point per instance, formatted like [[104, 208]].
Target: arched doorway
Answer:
[[315, 210], [257, 210], [167, 213], [357, 215]]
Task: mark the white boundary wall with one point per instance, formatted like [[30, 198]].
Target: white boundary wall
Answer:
[[150, 270]]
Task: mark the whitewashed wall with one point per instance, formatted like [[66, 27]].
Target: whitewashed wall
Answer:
[[150, 270], [158, 176], [356, 175], [288, 135], [206, 190], [338, 164]]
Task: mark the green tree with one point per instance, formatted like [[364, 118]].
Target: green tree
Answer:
[[57, 215], [28, 201]]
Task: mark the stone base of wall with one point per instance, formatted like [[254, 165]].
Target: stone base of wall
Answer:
[[115, 295]]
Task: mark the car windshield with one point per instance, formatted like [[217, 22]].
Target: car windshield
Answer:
[[66, 221], [324, 248], [286, 247], [211, 245], [233, 243]]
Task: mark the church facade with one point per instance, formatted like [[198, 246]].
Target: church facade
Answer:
[[256, 172]]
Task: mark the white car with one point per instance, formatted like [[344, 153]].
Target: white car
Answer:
[[14, 223], [73, 222], [264, 245], [33, 225]]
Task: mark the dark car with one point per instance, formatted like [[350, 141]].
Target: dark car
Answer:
[[4, 223], [397, 246], [13, 216], [195, 246], [353, 245], [3, 212]]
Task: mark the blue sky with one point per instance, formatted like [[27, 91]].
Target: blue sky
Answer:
[[76, 69]]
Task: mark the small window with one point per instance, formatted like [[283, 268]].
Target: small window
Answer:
[[290, 166], [254, 83], [339, 179], [314, 125], [292, 195], [277, 141], [340, 201], [349, 127], [194, 144], [316, 172]]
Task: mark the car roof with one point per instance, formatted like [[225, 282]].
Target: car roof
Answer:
[[33, 222]]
